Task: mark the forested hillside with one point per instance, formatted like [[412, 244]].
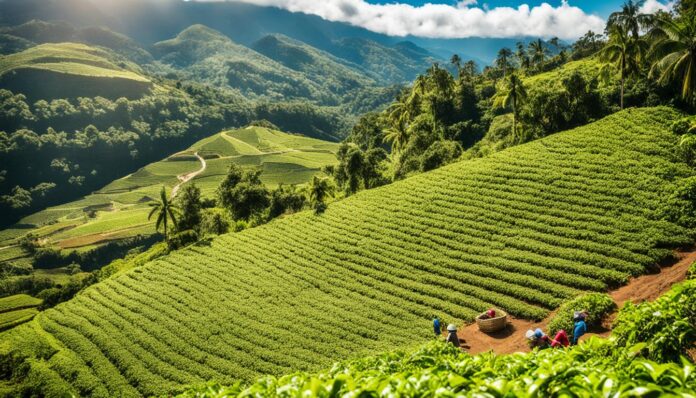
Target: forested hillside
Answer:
[[84, 106], [520, 230]]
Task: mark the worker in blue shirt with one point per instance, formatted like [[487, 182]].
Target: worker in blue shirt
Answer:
[[436, 327], [580, 326]]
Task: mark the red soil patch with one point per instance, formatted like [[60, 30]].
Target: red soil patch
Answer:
[[642, 288]]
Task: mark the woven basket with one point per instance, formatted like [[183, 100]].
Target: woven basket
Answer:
[[491, 325]]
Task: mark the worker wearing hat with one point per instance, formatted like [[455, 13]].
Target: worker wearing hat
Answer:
[[452, 335], [580, 328]]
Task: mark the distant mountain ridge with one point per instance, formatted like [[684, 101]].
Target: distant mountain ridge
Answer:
[[151, 21]]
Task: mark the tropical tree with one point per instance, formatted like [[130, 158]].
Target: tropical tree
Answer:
[[190, 205], [166, 211], [674, 49], [503, 60], [469, 68], [522, 57], [512, 95], [397, 135], [456, 60], [629, 18], [623, 53], [319, 190], [555, 42], [538, 50]]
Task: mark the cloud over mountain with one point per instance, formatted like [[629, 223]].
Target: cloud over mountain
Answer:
[[464, 19]]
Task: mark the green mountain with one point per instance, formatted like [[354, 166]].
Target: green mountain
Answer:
[[521, 230], [208, 56], [71, 70], [333, 74], [384, 63], [40, 32]]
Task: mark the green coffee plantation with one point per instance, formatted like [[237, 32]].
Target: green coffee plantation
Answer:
[[624, 366], [522, 230]]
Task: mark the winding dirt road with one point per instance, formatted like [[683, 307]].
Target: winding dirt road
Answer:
[[184, 178]]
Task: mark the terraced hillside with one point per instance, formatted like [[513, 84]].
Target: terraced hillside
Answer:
[[71, 70], [119, 210], [521, 230], [17, 309]]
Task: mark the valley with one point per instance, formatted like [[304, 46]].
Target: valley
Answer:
[[339, 199]]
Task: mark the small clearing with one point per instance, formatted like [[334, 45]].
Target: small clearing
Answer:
[[639, 289]]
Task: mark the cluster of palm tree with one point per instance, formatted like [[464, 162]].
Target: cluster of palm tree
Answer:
[[667, 52], [435, 83], [530, 56]]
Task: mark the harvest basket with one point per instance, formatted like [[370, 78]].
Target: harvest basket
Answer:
[[491, 325]]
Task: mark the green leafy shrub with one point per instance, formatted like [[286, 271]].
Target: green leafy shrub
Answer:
[[439, 370], [691, 273], [598, 305], [663, 329]]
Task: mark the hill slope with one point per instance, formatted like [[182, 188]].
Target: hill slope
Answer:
[[70, 70], [119, 210], [208, 56], [333, 74], [521, 230]]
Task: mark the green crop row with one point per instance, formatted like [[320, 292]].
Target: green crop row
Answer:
[[622, 366], [17, 302], [523, 230]]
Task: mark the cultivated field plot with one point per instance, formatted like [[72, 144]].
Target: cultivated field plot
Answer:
[[520, 230], [17, 309], [119, 210]]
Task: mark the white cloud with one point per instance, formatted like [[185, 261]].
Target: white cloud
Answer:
[[450, 21], [466, 3], [653, 6]]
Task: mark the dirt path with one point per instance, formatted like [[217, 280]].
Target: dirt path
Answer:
[[645, 287], [184, 178]]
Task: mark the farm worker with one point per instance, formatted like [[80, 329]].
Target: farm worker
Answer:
[[537, 338], [437, 327], [452, 335], [560, 340], [580, 326]]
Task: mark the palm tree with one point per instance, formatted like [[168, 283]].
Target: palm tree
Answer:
[[539, 50], [624, 53], [319, 190], [629, 18], [456, 60], [513, 95], [166, 210], [397, 135], [503, 60], [674, 49], [555, 42], [521, 55]]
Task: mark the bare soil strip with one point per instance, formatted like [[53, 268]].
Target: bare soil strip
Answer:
[[642, 288]]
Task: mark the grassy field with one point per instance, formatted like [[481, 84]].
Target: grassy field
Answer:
[[17, 309], [17, 302], [71, 70], [521, 230], [119, 210]]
